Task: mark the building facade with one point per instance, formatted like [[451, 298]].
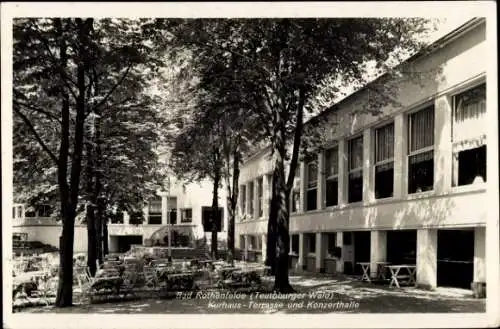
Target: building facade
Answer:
[[186, 208], [407, 186]]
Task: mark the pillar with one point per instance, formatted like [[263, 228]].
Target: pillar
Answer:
[[443, 154], [321, 181], [427, 258], [400, 152], [321, 247], [302, 252], [339, 263], [126, 218], [368, 186], [342, 193], [378, 250], [303, 183], [479, 254], [264, 248], [247, 212], [265, 195], [256, 198], [164, 209], [246, 242]]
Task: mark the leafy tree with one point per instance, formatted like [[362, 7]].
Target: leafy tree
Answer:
[[281, 64], [67, 71]]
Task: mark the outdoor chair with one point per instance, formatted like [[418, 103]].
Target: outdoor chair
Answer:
[[150, 277]]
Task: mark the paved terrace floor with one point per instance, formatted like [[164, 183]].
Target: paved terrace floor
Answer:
[[356, 296]]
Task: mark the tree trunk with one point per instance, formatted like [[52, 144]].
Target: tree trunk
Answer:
[[271, 228], [231, 204], [105, 236], [99, 233], [215, 213], [91, 240]]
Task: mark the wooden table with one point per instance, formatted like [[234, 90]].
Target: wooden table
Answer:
[[365, 266], [395, 275], [381, 268]]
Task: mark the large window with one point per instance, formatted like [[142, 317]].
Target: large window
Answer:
[[251, 198], [469, 142], [260, 196], [421, 151], [332, 245], [332, 176], [295, 195], [312, 185], [186, 215], [154, 213], [384, 161], [355, 166]]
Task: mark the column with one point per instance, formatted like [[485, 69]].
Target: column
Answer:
[[248, 199], [145, 213], [479, 254], [265, 195], [246, 240], [400, 153], [264, 248], [427, 258], [321, 246], [126, 218], [378, 250], [443, 155], [342, 173], [321, 181], [164, 209], [339, 261], [302, 252], [256, 198], [368, 191], [303, 183]]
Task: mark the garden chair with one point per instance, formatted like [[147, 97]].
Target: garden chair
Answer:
[[150, 277], [128, 285]]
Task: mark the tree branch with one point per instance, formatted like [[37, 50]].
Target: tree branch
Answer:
[[39, 110], [297, 137], [37, 136], [113, 88]]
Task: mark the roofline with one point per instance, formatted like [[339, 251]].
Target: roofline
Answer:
[[431, 48]]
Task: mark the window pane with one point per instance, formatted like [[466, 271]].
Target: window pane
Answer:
[[470, 104], [384, 147], [250, 203], [312, 196], [332, 161], [155, 206], [355, 187], [384, 180], [472, 166], [421, 172], [243, 199], [186, 215], [295, 200], [332, 192], [356, 153], [312, 174], [421, 129]]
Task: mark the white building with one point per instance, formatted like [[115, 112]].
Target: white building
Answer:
[[407, 187], [185, 207]]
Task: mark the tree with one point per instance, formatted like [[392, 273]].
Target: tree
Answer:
[[282, 63], [64, 71]]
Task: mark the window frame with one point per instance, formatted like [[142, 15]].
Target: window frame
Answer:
[[332, 176], [183, 211], [250, 193], [383, 162], [315, 184], [354, 170], [260, 197], [409, 153]]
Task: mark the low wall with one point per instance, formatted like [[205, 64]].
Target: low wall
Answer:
[[49, 234]]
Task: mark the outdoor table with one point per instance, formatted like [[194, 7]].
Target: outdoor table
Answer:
[[381, 267], [395, 269], [365, 266]]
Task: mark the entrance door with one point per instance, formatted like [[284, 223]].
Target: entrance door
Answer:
[[361, 249], [348, 252], [124, 242], [455, 258]]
